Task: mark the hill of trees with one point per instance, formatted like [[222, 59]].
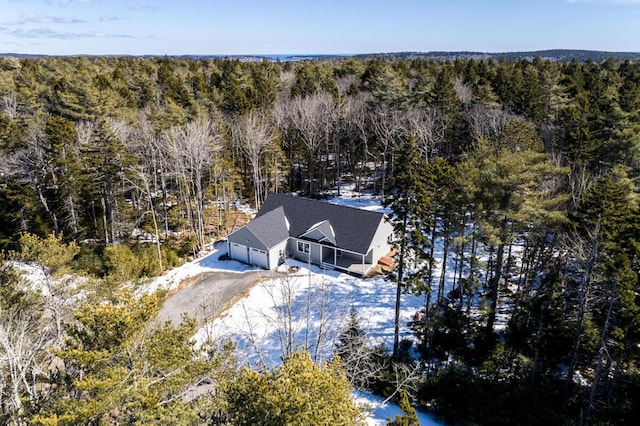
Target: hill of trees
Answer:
[[554, 55], [532, 161]]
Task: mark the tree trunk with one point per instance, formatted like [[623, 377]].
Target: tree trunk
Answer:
[[495, 283], [472, 261], [104, 220], [396, 329], [155, 228], [112, 222], [443, 277], [460, 268], [583, 296], [601, 354], [430, 272], [72, 215], [51, 213]]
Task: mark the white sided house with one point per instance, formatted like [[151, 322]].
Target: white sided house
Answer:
[[331, 236]]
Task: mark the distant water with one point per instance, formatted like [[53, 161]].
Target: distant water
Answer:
[[251, 57], [288, 57]]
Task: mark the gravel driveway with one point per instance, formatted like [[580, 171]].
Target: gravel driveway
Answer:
[[209, 295]]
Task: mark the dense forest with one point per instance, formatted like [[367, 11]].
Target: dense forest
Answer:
[[525, 172]]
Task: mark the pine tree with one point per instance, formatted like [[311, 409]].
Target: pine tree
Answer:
[[61, 137], [354, 352], [610, 207], [120, 368], [410, 216], [298, 392], [409, 416], [512, 168], [53, 257]]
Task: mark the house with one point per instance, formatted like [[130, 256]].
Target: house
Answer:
[[331, 236]]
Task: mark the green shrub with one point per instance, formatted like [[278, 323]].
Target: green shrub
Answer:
[[90, 260]]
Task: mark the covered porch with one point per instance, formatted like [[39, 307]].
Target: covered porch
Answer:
[[344, 260]]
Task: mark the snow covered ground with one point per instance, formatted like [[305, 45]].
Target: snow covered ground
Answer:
[[311, 304]]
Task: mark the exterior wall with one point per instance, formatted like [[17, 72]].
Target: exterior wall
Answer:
[[274, 254], [245, 237], [370, 258], [380, 244], [293, 253], [315, 251]]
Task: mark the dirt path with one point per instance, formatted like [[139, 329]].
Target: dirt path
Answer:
[[209, 295]]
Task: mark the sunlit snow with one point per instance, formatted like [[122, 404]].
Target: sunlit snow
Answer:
[[320, 300]]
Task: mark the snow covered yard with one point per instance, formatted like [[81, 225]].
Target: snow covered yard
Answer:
[[313, 300], [307, 307]]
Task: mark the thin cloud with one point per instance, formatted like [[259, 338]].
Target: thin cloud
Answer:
[[142, 6], [39, 33], [105, 18], [36, 19], [68, 2]]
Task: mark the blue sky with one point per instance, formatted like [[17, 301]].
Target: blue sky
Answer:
[[176, 27]]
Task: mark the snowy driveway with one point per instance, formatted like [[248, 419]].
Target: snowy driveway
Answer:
[[209, 295]]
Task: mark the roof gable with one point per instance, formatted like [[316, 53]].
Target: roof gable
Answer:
[[271, 228], [321, 232], [353, 228]]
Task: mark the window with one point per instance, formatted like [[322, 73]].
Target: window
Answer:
[[303, 247], [338, 253]]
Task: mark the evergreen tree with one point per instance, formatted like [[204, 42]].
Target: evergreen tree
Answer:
[[410, 204], [61, 137], [53, 257], [298, 392], [354, 352], [409, 416], [119, 368], [511, 170], [609, 299]]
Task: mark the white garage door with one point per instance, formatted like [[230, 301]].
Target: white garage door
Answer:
[[239, 252], [258, 258]]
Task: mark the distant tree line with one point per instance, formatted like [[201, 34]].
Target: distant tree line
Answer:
[[531, 162]]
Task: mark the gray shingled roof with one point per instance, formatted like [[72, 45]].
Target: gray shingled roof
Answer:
[[354, 228], [270, 227]]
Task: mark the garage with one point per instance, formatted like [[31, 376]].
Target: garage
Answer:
[[258, 258], [239, 252]]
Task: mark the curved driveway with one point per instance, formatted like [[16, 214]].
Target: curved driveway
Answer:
[[209, 295]]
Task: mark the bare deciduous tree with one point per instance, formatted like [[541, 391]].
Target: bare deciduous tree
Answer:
[[35, 169], [253, 135], [485, 122], [23, 341], [9, 105], [387, 126], [356, 117], [140, 180], [309, 116], [427, 126], [190, 151]]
